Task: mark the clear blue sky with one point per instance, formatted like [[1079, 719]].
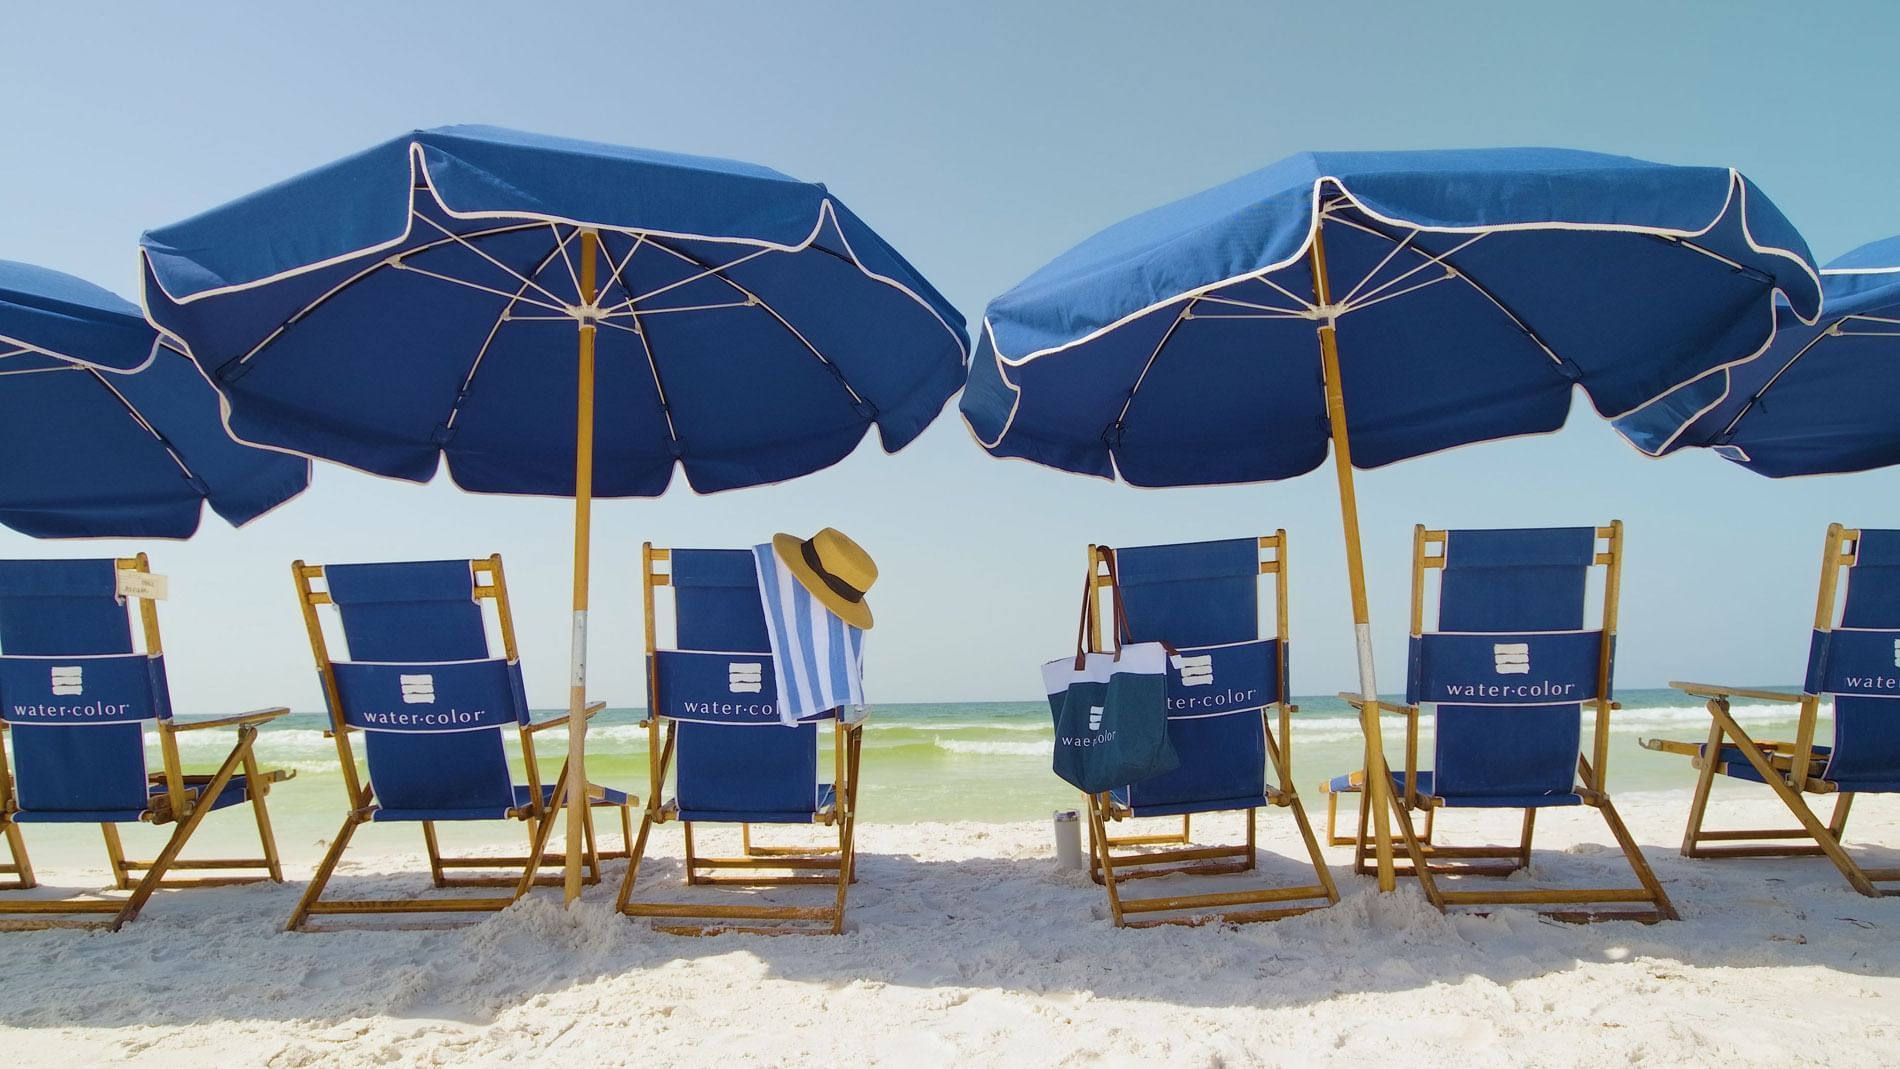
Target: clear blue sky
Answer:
[[981, 139]]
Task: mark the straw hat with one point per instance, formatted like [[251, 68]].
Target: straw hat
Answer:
[[836, 570]]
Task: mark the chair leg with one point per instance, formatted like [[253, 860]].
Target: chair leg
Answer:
[[1416, 849], [1837, 823], [1278, 754], [635, 851], [156, 873], [692, 874], [1704, 784], [1105, 858], [436, 875], [21, 863], [1631, 851], [1524, 839], [325, 869], [256, 788], [1828, 843], [537, 847], [115, 854]]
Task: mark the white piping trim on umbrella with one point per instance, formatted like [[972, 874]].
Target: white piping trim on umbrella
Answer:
[[418, 167], [26, 347], [1737, 189]]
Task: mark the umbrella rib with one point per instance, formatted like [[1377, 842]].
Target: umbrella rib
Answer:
[[1454, 271], [43, 370], [1833, 331], [306, 310], [481, 355], [1380, 266], [1294, 297], [559, 304], [1186, 313], [560, 246], [751, 299], [466, 284], [139, 418], [1440, 259], [686, 308], [659, 387], [1297, 313], [705, 272], [1446, 277]]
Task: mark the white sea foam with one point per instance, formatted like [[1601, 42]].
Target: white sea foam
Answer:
[[994, 748]]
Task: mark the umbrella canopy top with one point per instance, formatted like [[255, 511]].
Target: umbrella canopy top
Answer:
[[420, 299], [107, 433], [48, 316], [1472, 290], [1818, 401]]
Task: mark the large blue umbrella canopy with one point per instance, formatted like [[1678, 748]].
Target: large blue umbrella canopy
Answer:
[[106, 433], [1385, 305], [479, 294], [419, 300], [1820, 399]]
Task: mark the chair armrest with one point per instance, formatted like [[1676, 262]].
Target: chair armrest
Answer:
[[1711, 690], [593, 709], [255, 716], [1358, 701]]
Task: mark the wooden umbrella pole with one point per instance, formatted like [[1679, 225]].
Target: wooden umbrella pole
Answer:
[[1378, 786], [583, 523]]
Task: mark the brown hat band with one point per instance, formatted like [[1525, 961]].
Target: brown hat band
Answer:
[[833, 583]]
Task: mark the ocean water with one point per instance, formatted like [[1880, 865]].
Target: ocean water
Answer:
[[963, 761]]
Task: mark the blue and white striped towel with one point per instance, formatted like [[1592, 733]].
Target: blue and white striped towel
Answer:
[[818, 658]]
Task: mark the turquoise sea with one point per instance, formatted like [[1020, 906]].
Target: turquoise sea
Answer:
[[953, 761]]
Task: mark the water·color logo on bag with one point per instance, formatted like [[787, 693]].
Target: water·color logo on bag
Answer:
[[1095, 718], [745, 677], [418, 689], [69, 679], [1197, 671], [1512, 658]]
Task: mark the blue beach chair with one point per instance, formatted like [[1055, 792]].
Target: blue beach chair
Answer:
[[1508, 674], [1854, 659], [433, 708], [1203, 599], [75, 698], [731, 759]]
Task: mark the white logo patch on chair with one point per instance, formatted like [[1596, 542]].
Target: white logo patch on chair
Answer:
[[745, 677], [1513, 658], [1196, 671], [68, 680], [418, 689]]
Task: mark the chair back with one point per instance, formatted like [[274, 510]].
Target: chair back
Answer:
[[1511, 664], [74, 692], [1856, 661], [420, 685], [733, 760], [1203, 598]]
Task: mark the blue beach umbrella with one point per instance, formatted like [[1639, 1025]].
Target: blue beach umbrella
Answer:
[[106, 433], [475, 295], [1382, 306], [1820, 400]]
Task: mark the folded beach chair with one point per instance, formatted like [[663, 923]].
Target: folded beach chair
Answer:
[[1203, 599], [1507, 675], [1851, 660], [432, 707], [732, 761], [75, 699]]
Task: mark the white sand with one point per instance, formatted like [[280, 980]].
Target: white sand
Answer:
[[967, 948]]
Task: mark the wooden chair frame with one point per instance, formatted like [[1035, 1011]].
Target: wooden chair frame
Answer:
[[1791, 770], [1430, 860], [490, 583], [178, 805], [1115, 859], [834, 866]]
